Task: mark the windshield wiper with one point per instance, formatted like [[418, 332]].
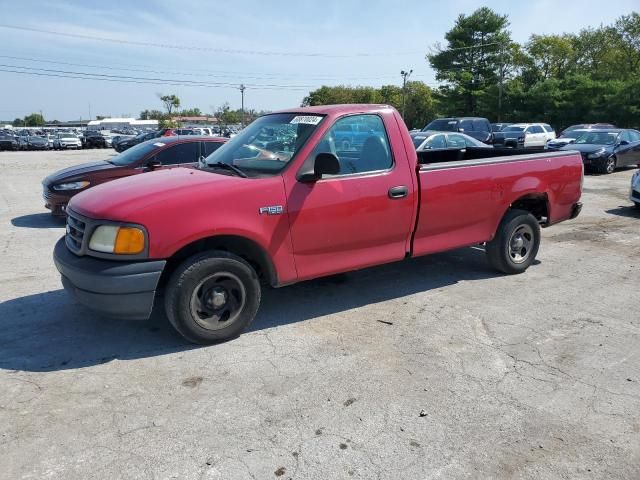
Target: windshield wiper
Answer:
[[227, 166]]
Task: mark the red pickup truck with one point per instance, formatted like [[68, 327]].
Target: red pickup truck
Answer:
[[281, 203]]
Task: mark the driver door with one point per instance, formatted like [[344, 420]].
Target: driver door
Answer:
[[360, 217]]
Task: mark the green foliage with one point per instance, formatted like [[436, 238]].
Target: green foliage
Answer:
[[170, 102], [421, 105], [33, 120], [477, 46], [226, 116], [591, 76], [18, 122], [152, 115], [190, 112]]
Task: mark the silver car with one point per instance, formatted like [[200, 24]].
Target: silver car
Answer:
[[63, 141]]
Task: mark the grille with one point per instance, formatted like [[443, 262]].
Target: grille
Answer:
[[75, 232]]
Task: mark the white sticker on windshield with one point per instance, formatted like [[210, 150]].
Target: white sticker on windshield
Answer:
[[159, 144], [306, 119]]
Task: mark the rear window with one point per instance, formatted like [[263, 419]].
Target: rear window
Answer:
[[511, 128]]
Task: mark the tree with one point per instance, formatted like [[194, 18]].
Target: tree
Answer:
[[190, 112], [170, 102], [421, 104], [226, 116], [18, 122], [34, 120], [473, 60], [152, 115]]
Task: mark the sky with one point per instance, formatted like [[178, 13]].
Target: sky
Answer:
[[279, 49]]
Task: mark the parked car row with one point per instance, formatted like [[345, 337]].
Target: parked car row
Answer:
[[602, 146]]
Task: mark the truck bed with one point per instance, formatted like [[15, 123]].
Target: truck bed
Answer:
[[462, 202]]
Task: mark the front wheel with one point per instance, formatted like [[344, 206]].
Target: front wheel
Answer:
[[607, 165], [637, 205], [212, 297], [516, 244]]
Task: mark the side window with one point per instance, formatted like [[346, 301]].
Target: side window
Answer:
[[635, 136], [547, 128], [481, 126], [456, 141], [370, 153], [436, 141], [210, 147], [625, 136], [179, 154], [465, 126]]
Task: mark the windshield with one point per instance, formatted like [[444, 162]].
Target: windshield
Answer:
[[597, 138], [133, 154], [513, 129], [418, 139], [268, 144], [442, 125], [572, 134]]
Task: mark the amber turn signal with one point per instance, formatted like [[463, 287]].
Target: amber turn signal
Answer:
[[129, 240]]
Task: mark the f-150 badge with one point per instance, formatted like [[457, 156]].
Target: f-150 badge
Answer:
[[272, 210]]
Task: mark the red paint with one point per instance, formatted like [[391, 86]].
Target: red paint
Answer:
[[342, 223]]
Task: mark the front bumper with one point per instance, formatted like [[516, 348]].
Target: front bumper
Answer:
[[575, 210], [634, 196], [56, 201], [120, 289]]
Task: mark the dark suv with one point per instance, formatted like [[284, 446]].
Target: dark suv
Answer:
[[165, 152], [476, 127]]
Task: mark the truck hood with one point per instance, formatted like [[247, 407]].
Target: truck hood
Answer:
[[128, 198], [76, 171]]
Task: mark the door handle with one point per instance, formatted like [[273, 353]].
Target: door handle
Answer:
[[400, 191]]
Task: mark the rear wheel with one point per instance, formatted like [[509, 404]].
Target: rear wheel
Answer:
[[212, 297], [516, 243]]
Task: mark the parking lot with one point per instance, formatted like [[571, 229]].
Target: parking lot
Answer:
[[431, 368]]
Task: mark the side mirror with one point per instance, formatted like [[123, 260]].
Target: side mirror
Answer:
[[153, 164], [623, 142], [323, 164]]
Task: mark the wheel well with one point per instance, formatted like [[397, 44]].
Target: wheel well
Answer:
[[536, 204], [247, 249]]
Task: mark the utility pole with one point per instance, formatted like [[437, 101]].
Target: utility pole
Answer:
[[405, 75], [501, 83], [242, 89]]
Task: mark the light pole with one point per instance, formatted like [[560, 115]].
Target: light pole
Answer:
[[242, 89], [405, 75]]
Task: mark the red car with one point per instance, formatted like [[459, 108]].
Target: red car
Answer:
[[165, 152], [281, 203]]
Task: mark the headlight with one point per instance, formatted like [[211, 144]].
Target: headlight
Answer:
[[635, 177], [115, 239], [597, 154], [71, 186]]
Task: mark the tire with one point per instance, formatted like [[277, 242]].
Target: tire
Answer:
[[204, 279], [516, 243], [636, 205], [607, 165]]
